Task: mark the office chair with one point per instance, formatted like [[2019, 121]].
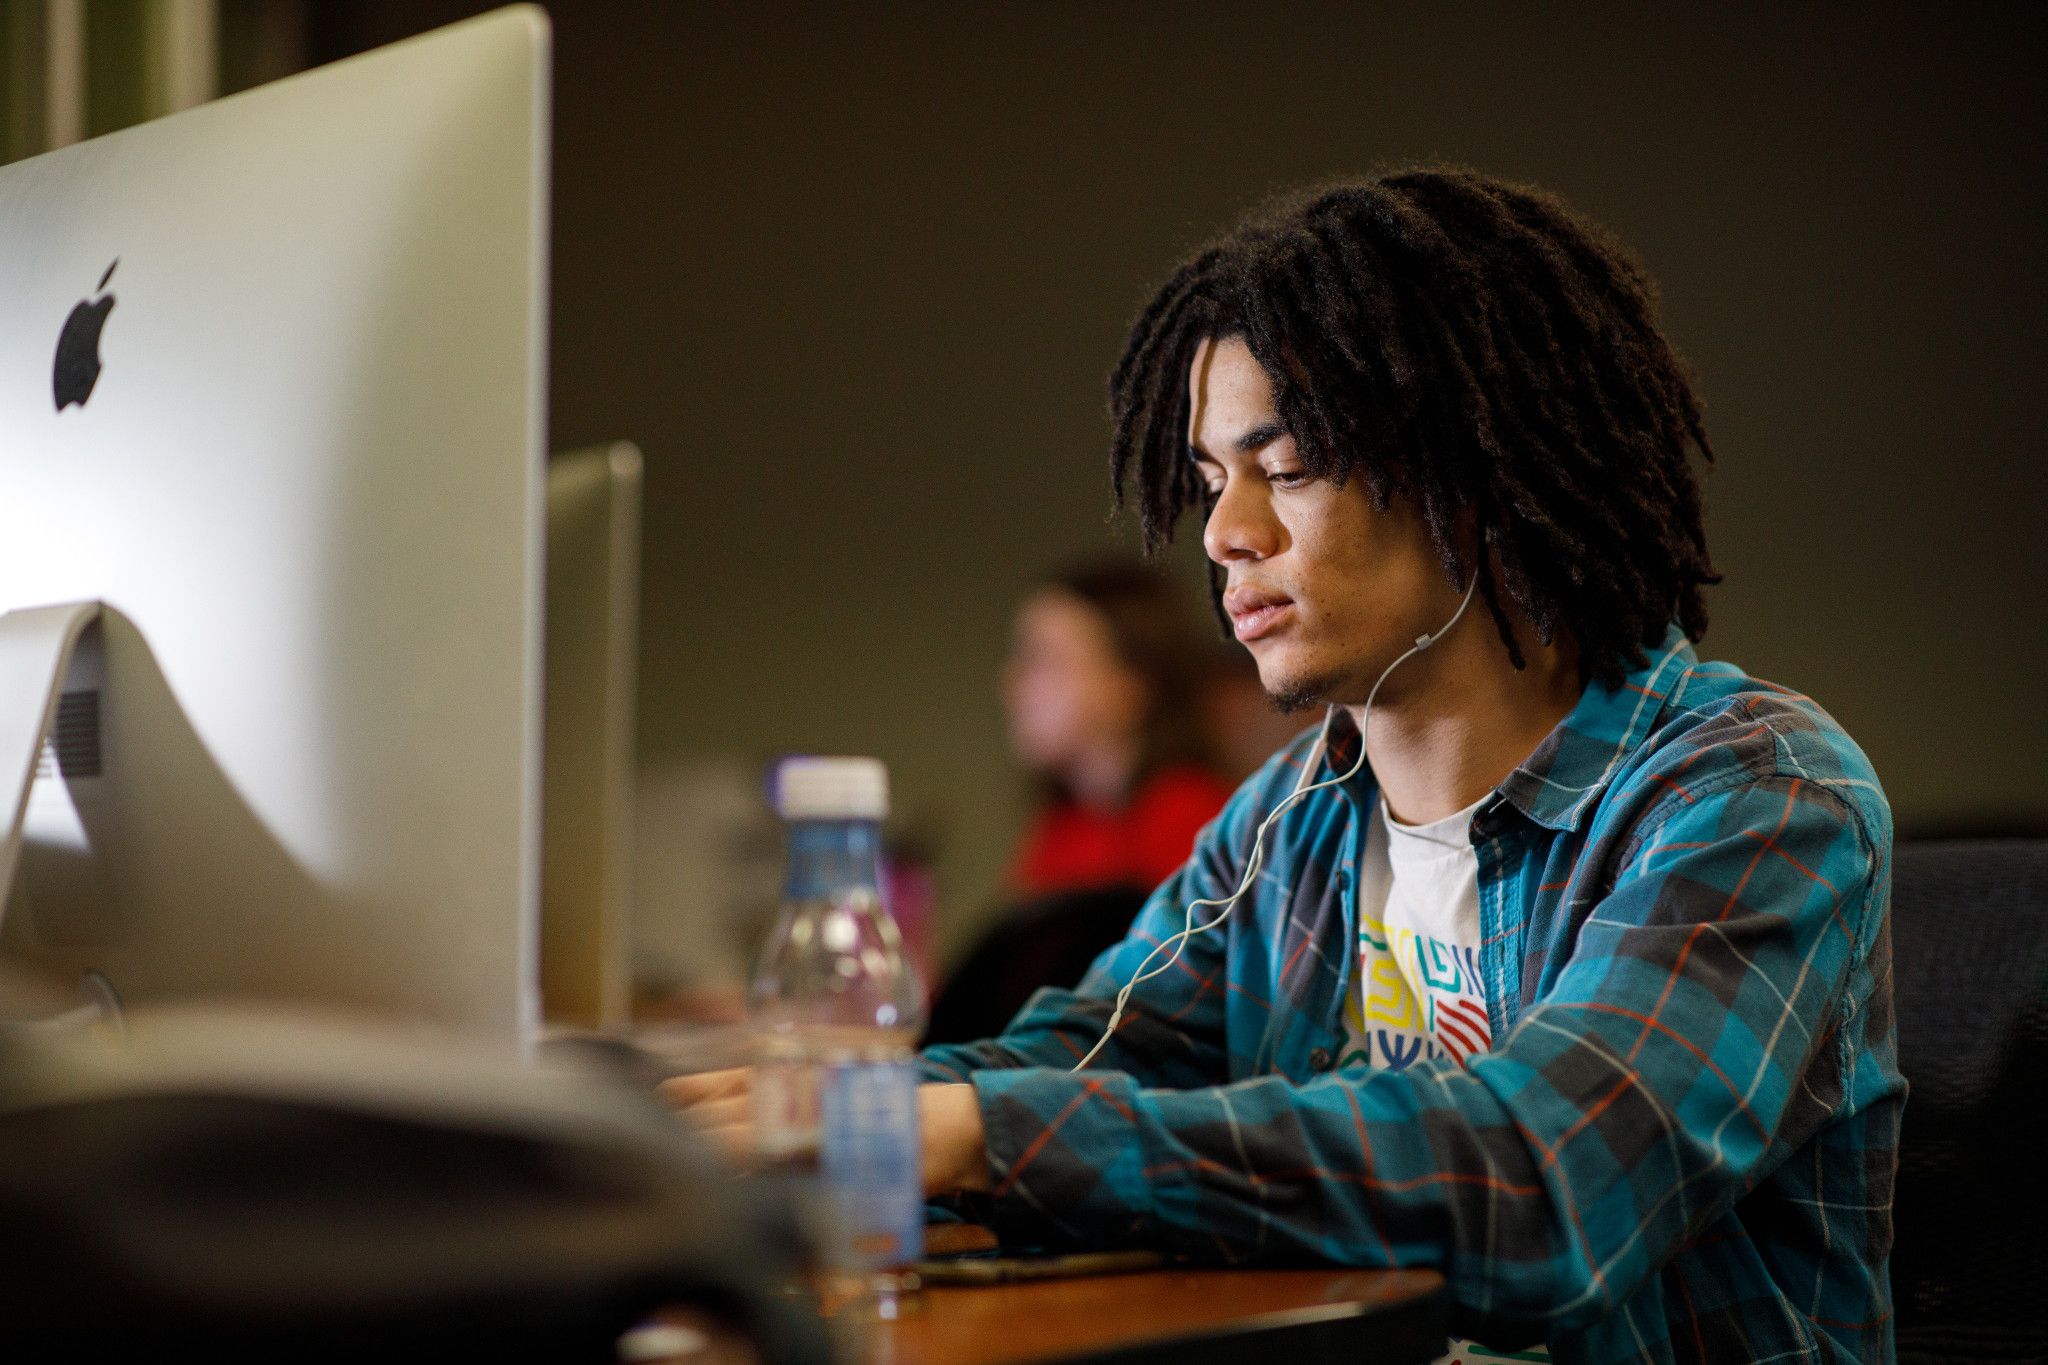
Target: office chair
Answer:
[[1970, 968], [1051, 941]]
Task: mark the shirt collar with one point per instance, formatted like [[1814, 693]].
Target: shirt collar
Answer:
[[1559, 782]]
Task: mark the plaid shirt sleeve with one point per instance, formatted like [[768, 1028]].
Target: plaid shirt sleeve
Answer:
[[1695, 1034]]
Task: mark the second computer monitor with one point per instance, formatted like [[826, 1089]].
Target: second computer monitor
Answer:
[[593, 605]]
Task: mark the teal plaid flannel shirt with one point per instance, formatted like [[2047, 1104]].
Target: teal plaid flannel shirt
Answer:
[[1682, 1143]]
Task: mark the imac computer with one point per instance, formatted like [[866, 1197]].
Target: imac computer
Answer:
[[272, 384]]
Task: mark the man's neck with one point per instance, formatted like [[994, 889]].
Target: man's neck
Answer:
[[1463, 719]]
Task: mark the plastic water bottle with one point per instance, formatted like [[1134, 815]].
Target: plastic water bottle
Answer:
[[836, 1010]]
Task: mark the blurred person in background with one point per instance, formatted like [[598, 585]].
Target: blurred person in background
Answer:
[[1244, 727], [1103, 691]]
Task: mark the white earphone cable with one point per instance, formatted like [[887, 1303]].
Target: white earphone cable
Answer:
[[1251, 864]]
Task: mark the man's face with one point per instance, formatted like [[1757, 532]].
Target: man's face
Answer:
[[1324, 590]]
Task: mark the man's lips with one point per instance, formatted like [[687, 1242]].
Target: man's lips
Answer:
[[1256, 611]]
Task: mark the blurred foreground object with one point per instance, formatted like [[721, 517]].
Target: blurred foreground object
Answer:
[[236, 1185]]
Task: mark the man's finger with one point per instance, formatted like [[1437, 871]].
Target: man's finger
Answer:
[[735, 1110], [735, 1141], [685, 1091]]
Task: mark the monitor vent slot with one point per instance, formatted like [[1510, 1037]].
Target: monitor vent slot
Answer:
[[73, 748]]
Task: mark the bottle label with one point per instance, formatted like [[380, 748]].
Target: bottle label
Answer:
[[872, 1162], [785, 1113]]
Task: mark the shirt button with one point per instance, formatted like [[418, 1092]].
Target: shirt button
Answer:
[[1321, 1060]]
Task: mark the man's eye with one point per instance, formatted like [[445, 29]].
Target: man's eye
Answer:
[[1289, 478]]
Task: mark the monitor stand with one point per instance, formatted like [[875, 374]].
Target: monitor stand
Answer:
[[35, 655]]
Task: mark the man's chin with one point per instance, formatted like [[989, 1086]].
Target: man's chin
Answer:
[[1290, 696]]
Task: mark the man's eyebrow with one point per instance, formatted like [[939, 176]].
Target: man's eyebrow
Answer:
[[1257, 438]]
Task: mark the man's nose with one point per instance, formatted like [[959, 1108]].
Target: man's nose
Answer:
[[1241, 525]]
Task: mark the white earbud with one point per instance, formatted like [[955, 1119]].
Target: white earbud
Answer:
[[1251, 863]]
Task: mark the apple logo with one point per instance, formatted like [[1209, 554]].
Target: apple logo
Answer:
[[78, 347]]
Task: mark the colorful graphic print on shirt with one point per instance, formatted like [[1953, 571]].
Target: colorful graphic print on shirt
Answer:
[[1420, 998]]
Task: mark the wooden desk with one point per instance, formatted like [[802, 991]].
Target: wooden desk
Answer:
[[1365, 1316], [1158, 1317]]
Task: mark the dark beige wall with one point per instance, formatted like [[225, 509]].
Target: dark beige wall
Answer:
[[853, 277]]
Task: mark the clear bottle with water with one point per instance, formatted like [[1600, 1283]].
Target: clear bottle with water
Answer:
[[835, 1012]]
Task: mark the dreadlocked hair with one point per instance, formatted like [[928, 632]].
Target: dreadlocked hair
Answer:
[[1475, 348]]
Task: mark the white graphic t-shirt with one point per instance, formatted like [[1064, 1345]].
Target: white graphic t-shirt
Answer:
[[1419, 992]]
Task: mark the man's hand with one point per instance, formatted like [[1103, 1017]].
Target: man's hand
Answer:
[[720, 1105], [955, 1152]]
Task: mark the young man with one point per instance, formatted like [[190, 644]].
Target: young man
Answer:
[[1568, 969]]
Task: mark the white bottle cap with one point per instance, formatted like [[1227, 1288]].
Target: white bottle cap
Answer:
[[831, 789]]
